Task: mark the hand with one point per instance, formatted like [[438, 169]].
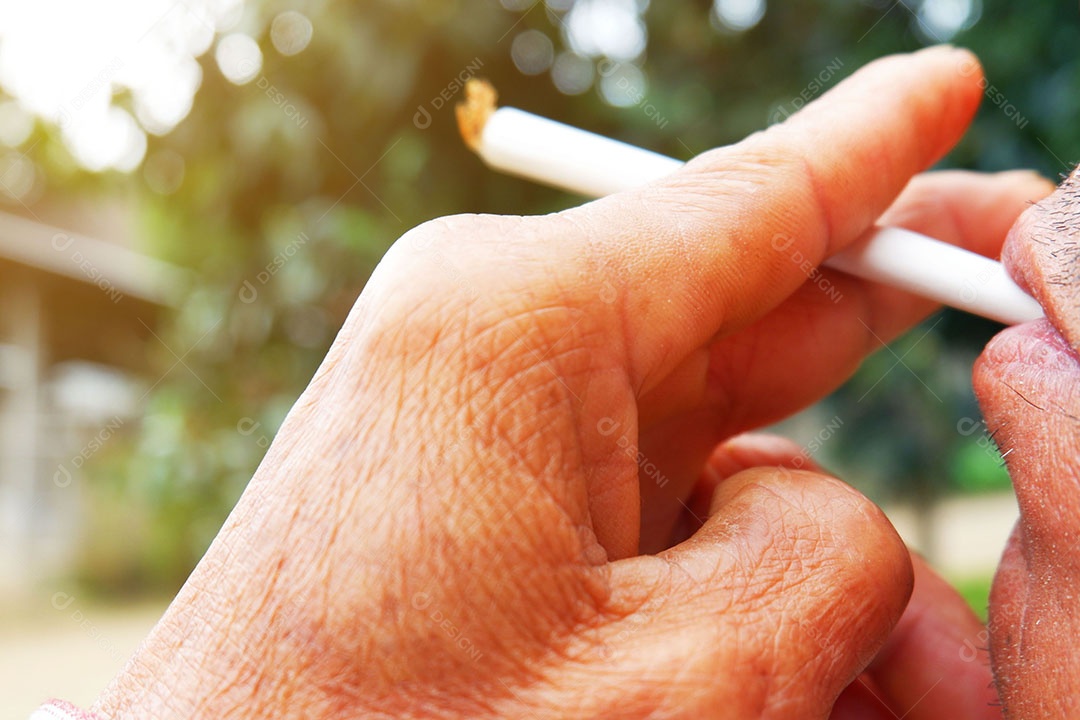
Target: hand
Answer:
[[1028, 382], [448, 523]]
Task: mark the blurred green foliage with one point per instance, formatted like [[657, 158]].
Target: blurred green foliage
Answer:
[[976, 592], [333, 183]]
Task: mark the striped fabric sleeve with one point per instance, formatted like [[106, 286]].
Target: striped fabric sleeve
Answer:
[[60, 710]]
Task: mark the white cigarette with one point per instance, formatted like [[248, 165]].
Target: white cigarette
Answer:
[[527, 145]]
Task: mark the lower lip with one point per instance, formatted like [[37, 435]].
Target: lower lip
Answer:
[[1032, 346]]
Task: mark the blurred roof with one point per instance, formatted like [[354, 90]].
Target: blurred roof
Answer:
[[99, 300], [110, 267]]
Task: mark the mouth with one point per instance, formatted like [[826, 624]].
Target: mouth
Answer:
[[1042, 253], [1038, 360], [1033, 368]]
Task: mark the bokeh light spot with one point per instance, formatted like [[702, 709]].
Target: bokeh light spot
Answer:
[[239, 58], [163, 171], [15, 124], [108, 140], [532, 52], [572, 74], [17, 176], [606, 28], [290, 32], [738, 15], [622, 85], [163, 104], [941, 20], [68, 72]]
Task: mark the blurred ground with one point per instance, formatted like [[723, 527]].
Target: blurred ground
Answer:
[[68, 653], [968, 533]]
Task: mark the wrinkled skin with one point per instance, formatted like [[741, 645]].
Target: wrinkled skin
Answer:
[[1028, 382], [519, 485]]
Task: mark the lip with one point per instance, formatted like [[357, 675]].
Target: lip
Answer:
[[1036, 254], [1036, 362], [1042, 253]]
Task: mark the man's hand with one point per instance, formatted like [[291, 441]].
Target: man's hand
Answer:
[[449, 522]]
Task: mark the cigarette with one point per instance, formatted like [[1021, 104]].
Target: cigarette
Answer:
[[529, 146]]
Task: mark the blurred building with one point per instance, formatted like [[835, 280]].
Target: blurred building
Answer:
[[76, 315]]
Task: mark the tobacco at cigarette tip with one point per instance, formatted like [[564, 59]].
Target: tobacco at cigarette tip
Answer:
[[473, 112]]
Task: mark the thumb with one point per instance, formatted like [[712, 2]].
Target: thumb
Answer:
[[779, 601]]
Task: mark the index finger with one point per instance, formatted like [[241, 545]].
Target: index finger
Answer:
[[727, 238]]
